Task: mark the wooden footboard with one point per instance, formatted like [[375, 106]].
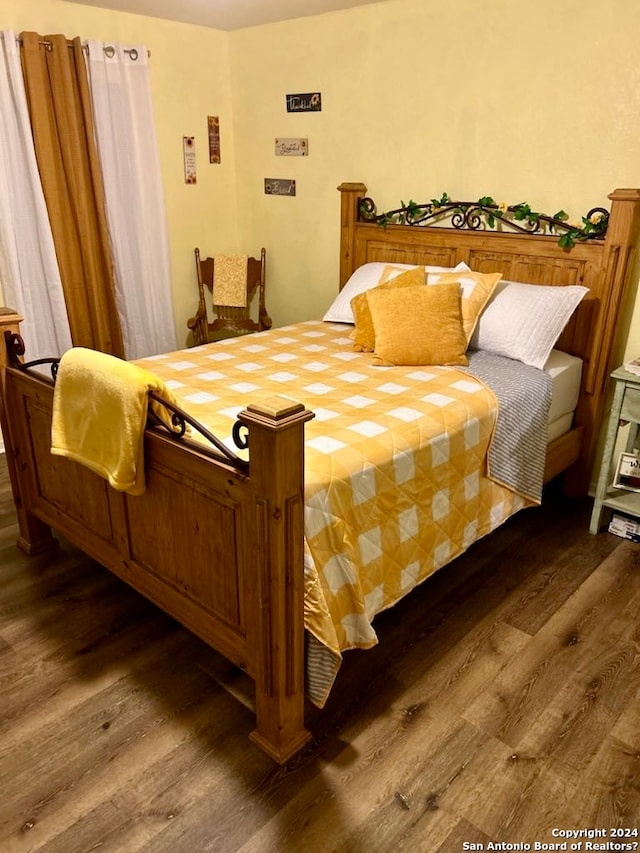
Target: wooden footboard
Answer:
[[219, 549]]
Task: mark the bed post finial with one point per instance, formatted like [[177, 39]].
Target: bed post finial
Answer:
[[351, 195]]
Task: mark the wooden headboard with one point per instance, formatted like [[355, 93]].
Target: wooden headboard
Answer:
[[603, 265]]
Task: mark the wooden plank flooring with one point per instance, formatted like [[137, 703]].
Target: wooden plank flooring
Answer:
[[501, 702]]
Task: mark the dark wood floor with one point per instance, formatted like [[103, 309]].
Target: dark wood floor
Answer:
[[501, 703]]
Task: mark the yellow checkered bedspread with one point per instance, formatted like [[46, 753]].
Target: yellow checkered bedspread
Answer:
[[395, 483]]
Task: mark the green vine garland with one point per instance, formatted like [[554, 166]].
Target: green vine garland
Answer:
[[472, 215]]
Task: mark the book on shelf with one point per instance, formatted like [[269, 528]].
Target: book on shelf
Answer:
[[632, 366], [628, 472], [627, 528]]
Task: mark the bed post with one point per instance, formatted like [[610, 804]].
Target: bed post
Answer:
[[351, 195], [34, 536], [618, 253], [276, 448], [620, 245]]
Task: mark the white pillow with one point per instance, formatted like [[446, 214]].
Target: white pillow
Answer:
[[524, 321], [366, 277]]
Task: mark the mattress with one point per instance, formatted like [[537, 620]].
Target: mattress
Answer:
[[566, 373]]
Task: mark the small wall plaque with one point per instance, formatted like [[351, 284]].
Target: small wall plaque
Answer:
[[213, 124], [189, 154], [279, 186], [292, 147], [310, 102]]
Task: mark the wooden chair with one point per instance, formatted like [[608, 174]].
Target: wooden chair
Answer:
[[229, 320]]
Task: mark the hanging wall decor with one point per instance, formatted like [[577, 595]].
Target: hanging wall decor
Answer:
[[292, 147], [213, 124], [279, 186], [189, 154], [310, 102]]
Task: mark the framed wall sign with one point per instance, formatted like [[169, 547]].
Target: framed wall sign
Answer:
[[309, 102], [279, 186], [292, 147]]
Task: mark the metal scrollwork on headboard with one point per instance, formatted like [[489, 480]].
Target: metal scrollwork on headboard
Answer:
[[486, 213]]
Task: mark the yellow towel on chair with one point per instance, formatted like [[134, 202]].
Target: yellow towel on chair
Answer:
[[230, 280], [100, 406]]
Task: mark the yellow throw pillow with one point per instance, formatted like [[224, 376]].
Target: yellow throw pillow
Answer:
[[418, 325], [363, 328], [477, 289], [391, 271]]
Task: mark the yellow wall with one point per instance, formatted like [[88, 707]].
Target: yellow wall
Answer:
[[190, 80], [537, 103]]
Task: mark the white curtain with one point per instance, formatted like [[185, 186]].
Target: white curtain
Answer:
[[29, 275], [126, 140]]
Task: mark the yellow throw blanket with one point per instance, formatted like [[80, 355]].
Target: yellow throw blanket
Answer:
[[100, 406], [230, 280]]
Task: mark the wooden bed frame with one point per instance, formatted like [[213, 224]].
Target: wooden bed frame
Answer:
[[219, 546]]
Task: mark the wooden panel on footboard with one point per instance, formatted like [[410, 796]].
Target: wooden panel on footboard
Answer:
[[66, 496], [187, 543]]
